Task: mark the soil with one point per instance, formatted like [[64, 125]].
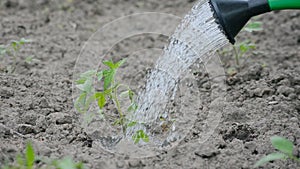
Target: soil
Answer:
[[262, 98]]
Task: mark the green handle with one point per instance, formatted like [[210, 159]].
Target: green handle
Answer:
[[284, 4]]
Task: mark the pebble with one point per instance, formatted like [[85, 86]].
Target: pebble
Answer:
[[60, 118], [285, 90], [30, 118], [207, 153], [273, 102], [120, 164], [26, 129], [44, 103], [134, 163]]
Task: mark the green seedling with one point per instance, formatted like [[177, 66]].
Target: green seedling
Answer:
[[285, 148], [240, 50], [111, 92], [27, 161], [140, 134], [253, 26], [67, 163], [24, 161], [12, 50]]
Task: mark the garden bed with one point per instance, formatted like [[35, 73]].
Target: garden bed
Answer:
[[262, 98]]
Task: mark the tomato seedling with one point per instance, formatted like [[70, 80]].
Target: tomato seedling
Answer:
[[110, 92], [285, 148], [12, 50]]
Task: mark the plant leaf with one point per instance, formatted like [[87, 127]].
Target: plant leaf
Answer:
[[282, 145], [146, 138], [88, 73], [100, 75], [131, 95], [23, 41], [131, 124], [20, 160], [81, 81], [108, 91], [253, 26], [29, 156], [136, 138], [66, 163], [133, 107], [101, 99], [2, 50], [80, 102], [246, 46], [120, 63], [125, 93], [15, 45], [270, 157], [113, 65], [85, 76], [108, 78], [29, 59], [86, 86], [117, 122], [110, 64], [140, 134], [79, 165]]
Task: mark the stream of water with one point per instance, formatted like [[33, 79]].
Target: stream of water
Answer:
[[195, 39]]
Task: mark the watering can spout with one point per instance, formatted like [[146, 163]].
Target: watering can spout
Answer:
[[232, 15]]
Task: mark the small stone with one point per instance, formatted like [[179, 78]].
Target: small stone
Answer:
[[44, 103], [294, 120], [273, 102], [134, 163], [285, 90], [207, 86], [257, 92], [4, 132], [60, 118], [11, 148], [120, 164], [250, 145], [25, 129], [66, 120], [207, 153], [41, 123], [254, 73], [293, 96], [6, 92], [30, 118]]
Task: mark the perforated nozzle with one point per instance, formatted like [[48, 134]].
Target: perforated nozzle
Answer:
[[234, 14]]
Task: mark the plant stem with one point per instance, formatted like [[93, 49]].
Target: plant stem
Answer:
[[118, 106], [15, 63], [236, 56]]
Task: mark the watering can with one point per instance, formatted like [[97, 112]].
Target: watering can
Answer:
[[232, 15]]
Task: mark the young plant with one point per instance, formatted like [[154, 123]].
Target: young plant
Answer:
[[140, 134], [24, 161], [27, 161], [66, 163], [12, 50], [285, 148], [240, 50], [110, 92]]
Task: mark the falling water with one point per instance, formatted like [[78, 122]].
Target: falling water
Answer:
[[195, 39]]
